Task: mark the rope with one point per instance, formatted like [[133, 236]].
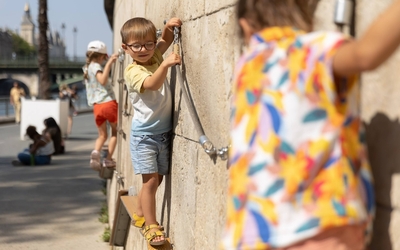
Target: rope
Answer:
[[207, 145], [112, 75], [125, 112], [121, 81]]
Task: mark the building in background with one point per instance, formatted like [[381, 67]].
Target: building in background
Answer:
[[27, 29], [56, 46], [6, 44], [27, 32]]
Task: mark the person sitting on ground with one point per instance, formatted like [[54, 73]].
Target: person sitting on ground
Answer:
[[56, 136], [39, 152]]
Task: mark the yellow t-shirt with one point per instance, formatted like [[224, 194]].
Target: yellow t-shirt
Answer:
[[152, 108], [136, 74]]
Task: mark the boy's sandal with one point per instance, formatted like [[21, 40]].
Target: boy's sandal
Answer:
[[151, 232], [143, 229], [137, 221]]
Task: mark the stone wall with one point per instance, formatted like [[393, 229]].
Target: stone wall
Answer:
[[380, 109], [191, 201]]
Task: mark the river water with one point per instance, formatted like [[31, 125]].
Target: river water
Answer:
[[6, 109]]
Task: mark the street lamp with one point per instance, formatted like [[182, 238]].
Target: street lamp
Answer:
[[63, 40], [75, 30], [63, 30]]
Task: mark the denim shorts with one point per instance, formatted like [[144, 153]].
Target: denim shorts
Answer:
[[150, 153]]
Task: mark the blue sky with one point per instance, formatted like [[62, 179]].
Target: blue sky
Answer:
[[88, 16]]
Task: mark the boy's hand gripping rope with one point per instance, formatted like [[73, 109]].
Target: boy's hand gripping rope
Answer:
[[207, 145]]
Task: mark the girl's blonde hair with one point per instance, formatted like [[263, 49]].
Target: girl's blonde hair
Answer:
[[63, 87], [267, 13], [90, 56], [138, 28]]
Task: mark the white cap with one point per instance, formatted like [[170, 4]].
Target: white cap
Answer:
[[97, 46]]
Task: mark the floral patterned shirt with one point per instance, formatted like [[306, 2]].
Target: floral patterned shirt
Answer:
[[298, 161]]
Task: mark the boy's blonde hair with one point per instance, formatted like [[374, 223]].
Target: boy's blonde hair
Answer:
[[138, 28], [90, 56], [267, 13]]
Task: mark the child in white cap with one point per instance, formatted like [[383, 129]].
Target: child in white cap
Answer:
[[101, 96]]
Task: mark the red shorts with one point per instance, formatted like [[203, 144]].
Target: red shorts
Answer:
[[107, 111]]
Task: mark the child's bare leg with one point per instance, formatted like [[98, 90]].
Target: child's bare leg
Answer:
[[101, 139], [147, 200], [160, 179], [70, 122], [139, 211], [113, 140]]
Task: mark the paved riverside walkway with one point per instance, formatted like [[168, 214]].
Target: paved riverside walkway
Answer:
[[51, 207]]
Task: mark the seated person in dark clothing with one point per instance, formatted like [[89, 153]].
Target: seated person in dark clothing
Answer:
[[39, 152], [54, 130]]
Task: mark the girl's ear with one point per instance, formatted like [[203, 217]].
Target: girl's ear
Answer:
[[123, 46], [248, 30]]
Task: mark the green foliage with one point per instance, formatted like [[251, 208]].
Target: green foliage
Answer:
[[107, 234], [104, 213], [22, 47], [104, 187]]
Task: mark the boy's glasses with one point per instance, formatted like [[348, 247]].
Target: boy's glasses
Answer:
[[137, 47]]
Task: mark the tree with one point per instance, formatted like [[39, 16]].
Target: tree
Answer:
[[21, 47], [43, 55]]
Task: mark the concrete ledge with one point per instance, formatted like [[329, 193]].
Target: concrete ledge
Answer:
[[120, 228]]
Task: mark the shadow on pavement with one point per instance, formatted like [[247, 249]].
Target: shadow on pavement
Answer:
[[40, 203]]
